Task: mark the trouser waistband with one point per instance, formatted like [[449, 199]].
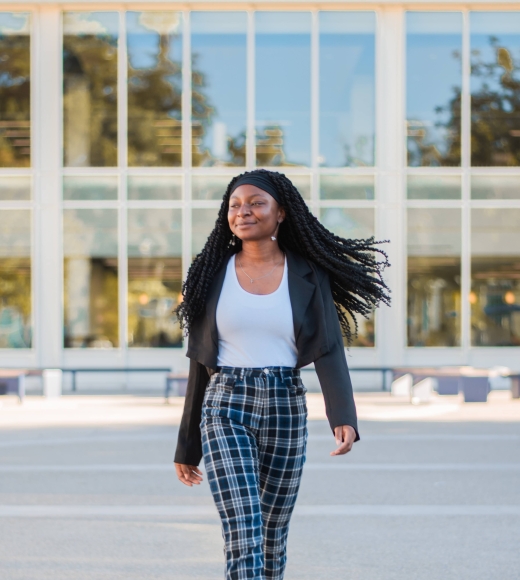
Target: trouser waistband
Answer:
[[259, 371]]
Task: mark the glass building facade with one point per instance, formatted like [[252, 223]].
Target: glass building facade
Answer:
[[120, 129]]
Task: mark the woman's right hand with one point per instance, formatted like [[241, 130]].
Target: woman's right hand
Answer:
[[188, 474]]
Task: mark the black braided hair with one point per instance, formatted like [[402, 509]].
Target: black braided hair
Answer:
[[354, 272]]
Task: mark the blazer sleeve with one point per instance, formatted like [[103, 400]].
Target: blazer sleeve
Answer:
[[189, 444], [332, 369]]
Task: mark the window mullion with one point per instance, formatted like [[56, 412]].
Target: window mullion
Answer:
[[186, 142], [122, 156], [466, 162], [315, 108], [250, 92]]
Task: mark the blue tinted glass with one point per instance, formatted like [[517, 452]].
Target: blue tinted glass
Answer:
[[495, 88], [433, 88], [283, 88], [154, 43], [218, 53], [347, 80]]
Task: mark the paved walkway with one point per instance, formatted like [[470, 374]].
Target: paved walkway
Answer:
[[87, 491]]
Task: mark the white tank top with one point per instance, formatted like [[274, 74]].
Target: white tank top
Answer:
[[255, 330]]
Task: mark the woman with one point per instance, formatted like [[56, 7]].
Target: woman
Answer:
[[267, 295]]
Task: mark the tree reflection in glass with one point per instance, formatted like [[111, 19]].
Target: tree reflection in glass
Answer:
[[495, 277], [154, 277], [218, 53], [15, 90], [283, 88], [90, 89], [434, 248], [15, 279], [433, 88], [347, 89], [495, 88], [90, 278], [353, 223], [154, 45]]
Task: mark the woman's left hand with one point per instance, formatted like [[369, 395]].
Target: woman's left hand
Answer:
[[345, 436]]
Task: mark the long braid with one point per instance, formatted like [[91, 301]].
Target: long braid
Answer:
[[355, 274]]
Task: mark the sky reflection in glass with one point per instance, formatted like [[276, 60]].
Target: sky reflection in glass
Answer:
[[283, 88], [347, 89], [218, 53], [433, 87]]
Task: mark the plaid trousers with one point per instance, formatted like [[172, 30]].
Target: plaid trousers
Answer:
[[254, 436]]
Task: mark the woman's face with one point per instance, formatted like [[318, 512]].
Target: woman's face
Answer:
[[253, 214]]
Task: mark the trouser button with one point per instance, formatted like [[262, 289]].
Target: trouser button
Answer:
[[266, 370]]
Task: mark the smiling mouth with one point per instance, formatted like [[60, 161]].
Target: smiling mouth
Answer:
[[246, 224]]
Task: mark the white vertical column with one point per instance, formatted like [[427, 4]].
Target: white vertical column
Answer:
[[47, 75], [390, 161], [186, 143]]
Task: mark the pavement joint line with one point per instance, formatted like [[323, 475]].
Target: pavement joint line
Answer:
[[344, 466], [75, 511]]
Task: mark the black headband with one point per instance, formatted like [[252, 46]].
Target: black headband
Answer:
[[259, 180]]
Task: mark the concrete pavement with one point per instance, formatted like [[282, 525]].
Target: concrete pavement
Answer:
[[87, 491]]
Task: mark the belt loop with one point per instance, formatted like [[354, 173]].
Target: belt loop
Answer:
[[242, 373]]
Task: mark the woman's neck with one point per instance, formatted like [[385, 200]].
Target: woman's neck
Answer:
[[260, 252]]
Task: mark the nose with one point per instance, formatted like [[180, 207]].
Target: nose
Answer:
[[244, 210]]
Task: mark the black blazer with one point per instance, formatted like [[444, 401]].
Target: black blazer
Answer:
[[318, 340]]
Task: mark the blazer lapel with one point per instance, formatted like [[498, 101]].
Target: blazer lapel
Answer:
[[203, 337], [301, 290], [212, 301]]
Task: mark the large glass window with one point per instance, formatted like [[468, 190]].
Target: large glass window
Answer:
[[202, 224], [90, 278], [283, 88], [434, 186], [433, 88], [495, 277], [495, 187], [218, 61], [15, 188], [347, 186], [15, 85], [90, 42], [15, 278], [209, 186], [347, 88], [90, 187], [154, 187], [154, 277], [434, 270], [353, 223], [495, 88], [154, 45]]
